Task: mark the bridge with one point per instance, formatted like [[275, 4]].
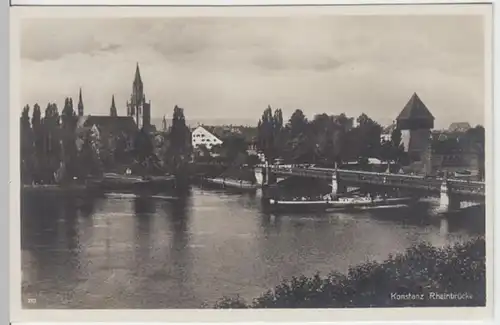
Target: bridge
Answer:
[[450, 191]]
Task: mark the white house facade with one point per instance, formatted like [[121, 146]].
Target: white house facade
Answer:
[[200, 136], [385, 137]]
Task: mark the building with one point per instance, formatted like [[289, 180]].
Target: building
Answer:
[[138, 108], [138, 113], [416, 122], [459, 127], [109, 127], [201, 136], [386, 134]]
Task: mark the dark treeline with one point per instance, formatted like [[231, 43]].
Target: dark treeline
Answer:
[[326, 139], [55, 149], [329, 139], [49, 146]]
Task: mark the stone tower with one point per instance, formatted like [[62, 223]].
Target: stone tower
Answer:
[[80, 104], [137, 107], [416, 122]]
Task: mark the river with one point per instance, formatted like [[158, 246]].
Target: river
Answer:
[[130, 252]]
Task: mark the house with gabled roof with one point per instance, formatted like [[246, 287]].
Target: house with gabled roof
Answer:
[[201, 136]]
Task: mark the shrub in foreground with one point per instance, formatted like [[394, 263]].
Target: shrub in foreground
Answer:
[[423, 276]]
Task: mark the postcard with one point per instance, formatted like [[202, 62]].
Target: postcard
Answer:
[[315, 163]]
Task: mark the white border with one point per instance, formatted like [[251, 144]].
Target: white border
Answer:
[[297, 315], [225, 3]]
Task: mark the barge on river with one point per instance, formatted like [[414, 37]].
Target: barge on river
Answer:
[[111, 182], [341, 203], [232, 183]]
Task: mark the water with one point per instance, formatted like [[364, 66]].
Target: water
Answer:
[[159, 252]]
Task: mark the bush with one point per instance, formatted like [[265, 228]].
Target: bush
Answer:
[[409, 279]]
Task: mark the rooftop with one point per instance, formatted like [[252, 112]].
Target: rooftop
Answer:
[[110, 123], [415, 109], [459, 126]]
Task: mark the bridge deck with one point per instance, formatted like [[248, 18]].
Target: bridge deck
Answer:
[[351, 177]]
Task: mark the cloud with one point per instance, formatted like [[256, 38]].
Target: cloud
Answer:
[[235, 67]]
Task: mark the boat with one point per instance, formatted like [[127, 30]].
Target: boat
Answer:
[[55, 188], [341, 203], [112, 182], [232, 183]]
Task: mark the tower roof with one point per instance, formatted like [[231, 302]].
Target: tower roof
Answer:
[[415, 109], [112, 109], [137, 78]]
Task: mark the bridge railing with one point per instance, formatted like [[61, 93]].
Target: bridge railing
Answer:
[[387, 179]]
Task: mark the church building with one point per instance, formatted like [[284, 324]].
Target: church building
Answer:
[[138, 113], [108, 127]]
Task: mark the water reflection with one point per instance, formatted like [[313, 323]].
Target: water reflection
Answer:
[[50, 226], [144, 207], [443, 227], [162, 252]]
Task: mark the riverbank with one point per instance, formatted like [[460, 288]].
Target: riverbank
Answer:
[[423, 276]]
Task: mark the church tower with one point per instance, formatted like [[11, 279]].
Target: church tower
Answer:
[[80, 104], [137, 107], [112, 109], [164, 123]]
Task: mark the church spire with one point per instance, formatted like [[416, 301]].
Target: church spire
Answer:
[[80, 103], [137, 79], [164, 123], [112, 109]]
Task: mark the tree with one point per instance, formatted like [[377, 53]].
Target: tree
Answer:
[[233, 147], [370, 132], [387, 151], [179, 145], [143, 151], [297, 123], [351, 150], [202, 154], [476, 140], [52, 145], [278, 132], [300, 146], [396, 138], [68, 134], [268, 131], [26, 146], [329, 133], [38, 142], [89, 156]]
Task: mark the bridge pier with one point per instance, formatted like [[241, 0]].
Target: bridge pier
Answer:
[[337, 186], [447, 201], [264, 176], [259, 175]]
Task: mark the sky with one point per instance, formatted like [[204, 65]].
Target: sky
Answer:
[[233, 68]]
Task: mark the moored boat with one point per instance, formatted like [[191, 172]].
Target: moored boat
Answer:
[[232, 183], [67, 188], [341, 203], [132, 183]]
